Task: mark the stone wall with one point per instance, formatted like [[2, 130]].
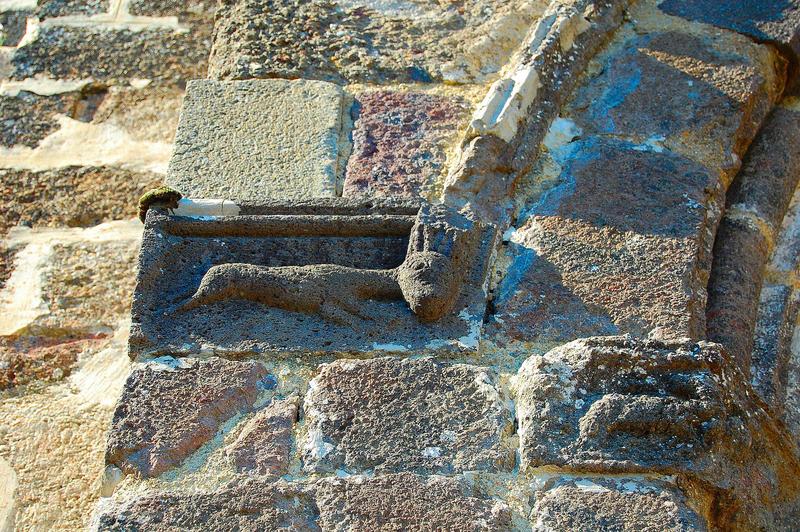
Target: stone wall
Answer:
[[89, 98], [483, 265]]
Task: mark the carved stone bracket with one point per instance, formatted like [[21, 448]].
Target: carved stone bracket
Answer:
[[336, 275], [621, 405]]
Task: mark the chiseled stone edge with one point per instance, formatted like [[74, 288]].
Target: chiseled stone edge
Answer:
[[503, 139]]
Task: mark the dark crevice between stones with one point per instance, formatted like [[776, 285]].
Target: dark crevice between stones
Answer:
[[85, 107]]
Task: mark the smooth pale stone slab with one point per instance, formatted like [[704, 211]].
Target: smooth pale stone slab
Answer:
[[258, 139]]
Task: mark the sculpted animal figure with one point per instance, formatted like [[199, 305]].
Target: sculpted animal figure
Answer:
[[334, 292], [429, 279]]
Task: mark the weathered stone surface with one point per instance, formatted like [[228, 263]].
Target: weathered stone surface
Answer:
[[13, 25], [775, 366], [366, 41], [74, 196], [40, 359], [405, 501], [740, 252], [387, 414], [773, 21], [254, 140], [624, 504], [169, 408], [245, 504], [147, 114], [552, 59], [703, 96], [756, 205], [264, 444], [399, 143], [617, 227], [6, 263], [771, 364], [183, 9], [7, 493], [86, 287], [771, 169], [61, 8], [621, 243], [164, 56], [28, 117], [618, 405], [791, 411], [318, 276], [53, 438]]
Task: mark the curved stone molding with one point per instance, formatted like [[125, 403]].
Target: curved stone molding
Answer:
[[757, 203], [503, 140]]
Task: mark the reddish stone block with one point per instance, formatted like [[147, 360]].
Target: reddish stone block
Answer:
[[242, 504], [169, 408], [399, 143], [264, 444], [29, 359]]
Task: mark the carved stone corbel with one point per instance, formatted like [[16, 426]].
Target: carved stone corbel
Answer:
[[618, 405], [351, 268]]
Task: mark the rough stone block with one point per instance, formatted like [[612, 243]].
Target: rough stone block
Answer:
[[263, 446], [399, 143], [406, 415], [619, 405], [701, 95], [406, 501], [773, 21], [147, 114], [183, 9], [617, 228], [28, 118], [771, 365], [86, 286], [169, 408], [68, 52], [514, 117], [244, 504], [13, 25], [629, 504], [62, 8], [73, 196], [259, 139], [40, 359], [620, 243], [364, 41], [69, 283], [319, 276]]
